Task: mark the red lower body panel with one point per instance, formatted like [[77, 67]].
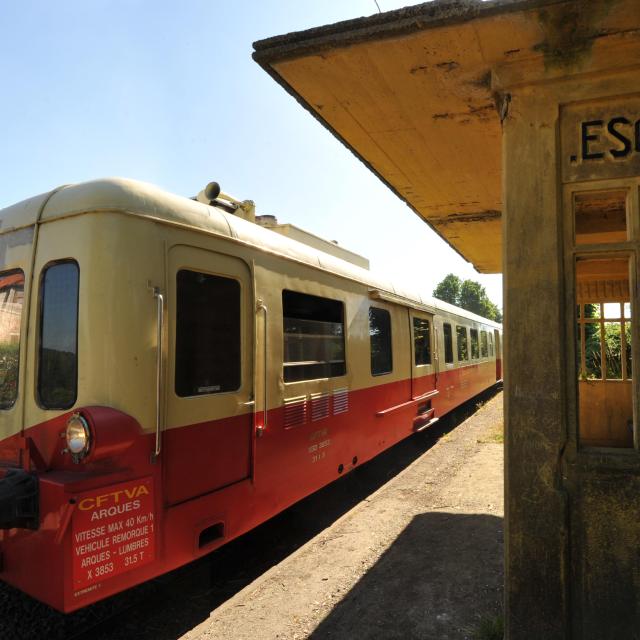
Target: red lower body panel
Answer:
[[108, 528]]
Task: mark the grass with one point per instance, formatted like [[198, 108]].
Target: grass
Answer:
[[490, 629], [495, 436]]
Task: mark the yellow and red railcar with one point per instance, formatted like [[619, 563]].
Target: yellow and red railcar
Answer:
[[172, 375]]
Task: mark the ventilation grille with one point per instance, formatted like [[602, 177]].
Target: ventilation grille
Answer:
[[295, 411], [340, 401], [319, 406]]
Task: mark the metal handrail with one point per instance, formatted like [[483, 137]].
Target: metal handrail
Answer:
[[436, 350], [261, 306], [160, 329]]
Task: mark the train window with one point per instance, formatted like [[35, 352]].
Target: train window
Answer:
[[11, 298], [421, 341], [448, 343], [490, 346], [208, 350], [380, 335], [463, 344], [475, 351], [603, 350], [58, 346], [313, 337], [600, 216], [484, 344]]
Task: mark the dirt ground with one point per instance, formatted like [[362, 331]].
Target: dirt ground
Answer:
[[419, 558]]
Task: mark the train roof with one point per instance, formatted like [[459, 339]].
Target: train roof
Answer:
[[137, 198]]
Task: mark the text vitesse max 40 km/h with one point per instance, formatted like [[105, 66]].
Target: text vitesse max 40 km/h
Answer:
[[173, 373]]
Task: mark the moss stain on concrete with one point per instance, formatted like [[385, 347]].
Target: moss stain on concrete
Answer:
[[570, 32]]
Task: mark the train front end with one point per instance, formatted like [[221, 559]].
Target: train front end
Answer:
[[80, 499]]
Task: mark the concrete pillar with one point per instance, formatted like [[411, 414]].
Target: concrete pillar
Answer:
[[536, 507]]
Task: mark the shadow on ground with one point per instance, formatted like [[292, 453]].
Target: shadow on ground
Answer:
[[426, 584], [169, 606]]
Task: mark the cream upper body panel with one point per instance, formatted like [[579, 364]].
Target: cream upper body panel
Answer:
[[146, 200]]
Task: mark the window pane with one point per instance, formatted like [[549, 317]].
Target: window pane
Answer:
[[421, 341], [380, 335], [627, 332], [11, 298], [58, 353], [484, 349], [601, 217], [313, 337], [613, 350], [463, 347], [579, 367], [593, 353], [448, 343], [207, 334], [612, 310], [475, 351]]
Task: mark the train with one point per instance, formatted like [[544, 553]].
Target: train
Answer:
[[173, 374]]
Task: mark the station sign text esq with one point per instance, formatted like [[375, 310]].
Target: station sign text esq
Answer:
[[601, 140]]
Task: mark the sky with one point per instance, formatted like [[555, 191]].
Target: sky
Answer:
[[167, 92]]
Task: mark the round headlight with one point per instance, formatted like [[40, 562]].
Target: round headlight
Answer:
[[78, 436]]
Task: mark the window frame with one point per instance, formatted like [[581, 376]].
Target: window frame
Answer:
[[473, 330], [389, 371], [240, 334], [38, 349], [467, 343], [601, 321], [444, 342], [343, 309], [430, 354], [572, 252], [9, 272], [484, 344]]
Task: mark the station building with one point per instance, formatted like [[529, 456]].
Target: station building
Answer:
[[512, 127]]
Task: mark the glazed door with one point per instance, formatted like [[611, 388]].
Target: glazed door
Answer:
[[209, 383], [424, 355]]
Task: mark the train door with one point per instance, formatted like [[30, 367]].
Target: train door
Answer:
[[498, 350], [424, 355], [209, 382]]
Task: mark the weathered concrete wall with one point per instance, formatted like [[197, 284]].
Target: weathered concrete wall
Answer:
[[606, 554]]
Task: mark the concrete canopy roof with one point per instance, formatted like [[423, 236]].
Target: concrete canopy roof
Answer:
[[414, 94]]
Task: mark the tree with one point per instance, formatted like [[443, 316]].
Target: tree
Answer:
[[469, 295], [449, 289]]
